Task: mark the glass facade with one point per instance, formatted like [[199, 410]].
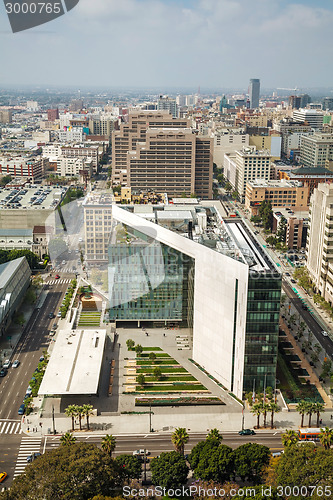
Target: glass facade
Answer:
[[148, 280], [262, 330]]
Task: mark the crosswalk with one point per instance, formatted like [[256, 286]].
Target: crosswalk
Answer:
[[59, 282], [28, 446], [10, 427]]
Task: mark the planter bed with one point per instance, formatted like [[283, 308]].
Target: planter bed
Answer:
[[179, 378], [182, 401], [158, 355], [157, 362], [164, 369], [176, 388]]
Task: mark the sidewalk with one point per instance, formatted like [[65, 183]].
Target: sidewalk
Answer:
[[10, 339]]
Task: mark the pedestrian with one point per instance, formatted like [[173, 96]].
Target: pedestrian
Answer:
[[28, 429], [321, 421]]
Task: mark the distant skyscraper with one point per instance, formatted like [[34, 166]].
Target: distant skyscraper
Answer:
[[254, 92], [165, 103]]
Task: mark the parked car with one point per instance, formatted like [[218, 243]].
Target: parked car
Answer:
[[293, 281], [7, 364], [51, 315], [3, 476], [54, 326], [246, 432], [3, 372], [59, 314], [21, 410], [41, 359], [325, 334], [16, 363], [29, 391]]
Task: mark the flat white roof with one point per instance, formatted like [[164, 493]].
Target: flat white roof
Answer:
[[75, 363]]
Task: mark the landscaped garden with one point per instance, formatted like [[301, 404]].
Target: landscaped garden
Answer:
[[155, 371], [292, 384], [90, 318]]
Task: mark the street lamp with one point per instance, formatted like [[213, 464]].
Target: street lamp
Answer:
[[53, 422]]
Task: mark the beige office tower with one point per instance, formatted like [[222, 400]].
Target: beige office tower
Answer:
[[174, 161], [319, 245], [125, 139]]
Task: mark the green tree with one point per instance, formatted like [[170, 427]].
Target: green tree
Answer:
[[273, 408], [108, 444], [256, 219], [67, 439], [326, 437], [228, 187], [215, 435], [141, 379], [87, 411], [302, 409], [152, 357], [257, 410], [169, 470], [250, 460], [32, 258], [265, 410], [138, 349], [211, 461], [5, 179], [310, 411], [79, 413], [305, 465], [131, 466], [282, 230], [157, 372], [76, 472], [130, 344], [289, 438], [71, 412], [179, 438]]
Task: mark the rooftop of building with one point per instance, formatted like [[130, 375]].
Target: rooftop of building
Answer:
[[8, 269], [253, 151], [98, 199], [75, 363], [283, 183], [35, 197], [312, 171], [205, 224]]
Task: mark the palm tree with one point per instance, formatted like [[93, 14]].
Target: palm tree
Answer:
[[257, 410], [310, 411], [109, 444], [214, 434], [289, 438], [87, 411], [71, 412], [302, 408], [79, 412], [318, 408], [67, 439], [179, 438], [273, 408], [326, 437], [265, 409]]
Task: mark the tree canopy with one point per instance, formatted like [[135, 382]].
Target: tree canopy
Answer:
[[211, 460], [76, 472], [250, 459], [169, 470]]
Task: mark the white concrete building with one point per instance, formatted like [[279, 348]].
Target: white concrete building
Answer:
[[227, 142]]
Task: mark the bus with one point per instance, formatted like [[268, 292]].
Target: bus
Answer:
[[311, 434]]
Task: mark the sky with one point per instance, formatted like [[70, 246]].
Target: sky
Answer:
[[174, 43]]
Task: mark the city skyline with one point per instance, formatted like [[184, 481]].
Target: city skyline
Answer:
[[163, 43]]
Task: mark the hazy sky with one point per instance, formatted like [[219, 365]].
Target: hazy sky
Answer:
[[212, 43]]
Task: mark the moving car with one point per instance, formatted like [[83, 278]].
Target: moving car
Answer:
[[141, 453], [325, 334], [3, 476], [6, 364], [32, 457], [246, 432], [3, 372], [16, 363], [51, 315], [21, 410], [57, 276]]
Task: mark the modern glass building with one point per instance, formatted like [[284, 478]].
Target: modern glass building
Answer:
[[150, 280], [189, 265]]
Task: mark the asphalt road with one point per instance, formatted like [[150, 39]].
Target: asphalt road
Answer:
[[310, 321], [13, 386]]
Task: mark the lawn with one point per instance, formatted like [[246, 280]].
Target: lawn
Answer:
[[163, 370], [169, 361], [174, 387], [170, 378], [158, 355]]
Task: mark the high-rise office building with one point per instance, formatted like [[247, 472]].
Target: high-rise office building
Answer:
[[165, 103], [186, 265], [311, 116], [125, 139], [53, 114], [173, 161], [316, 150], [319, 241], [254, 92]]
